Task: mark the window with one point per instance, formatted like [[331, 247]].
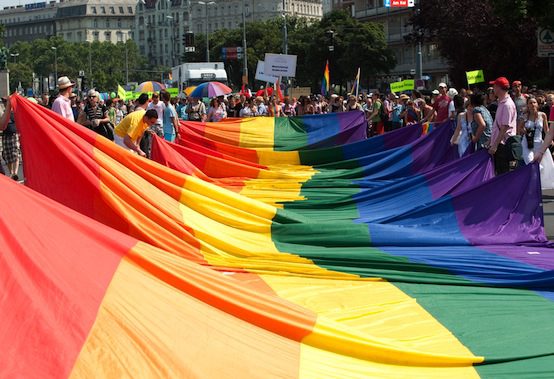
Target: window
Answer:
[[108, 36], [93, 10], [95, 23], [119, 37], [112, 10], [107, 23], [95, 36], [103, 10], [130, 9], [121, 11], [119, 23]]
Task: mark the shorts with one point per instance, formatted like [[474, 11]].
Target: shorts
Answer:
[[169, 137], [119, 141], [10, 147]]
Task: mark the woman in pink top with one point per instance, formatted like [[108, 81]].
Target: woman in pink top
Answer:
[[216, 112]]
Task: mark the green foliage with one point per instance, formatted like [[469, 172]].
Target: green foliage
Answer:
[[356, 45], [498, 36], [103, 62]]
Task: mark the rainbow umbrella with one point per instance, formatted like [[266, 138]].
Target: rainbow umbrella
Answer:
[[210, 89], [150, 87], [189, 90]]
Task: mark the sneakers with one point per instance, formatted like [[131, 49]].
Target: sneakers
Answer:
[[15, 177]]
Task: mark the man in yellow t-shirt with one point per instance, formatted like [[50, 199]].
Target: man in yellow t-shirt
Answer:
[[129, 131]]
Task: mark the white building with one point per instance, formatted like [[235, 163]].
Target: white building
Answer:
[[95, 20], [73, 20], [161, 24]]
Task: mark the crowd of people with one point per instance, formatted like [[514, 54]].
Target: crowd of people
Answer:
[[510, 121]]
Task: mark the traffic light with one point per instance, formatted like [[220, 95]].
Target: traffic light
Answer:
[[188, 39]]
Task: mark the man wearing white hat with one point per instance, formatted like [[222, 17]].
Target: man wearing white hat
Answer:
[[62, 104]]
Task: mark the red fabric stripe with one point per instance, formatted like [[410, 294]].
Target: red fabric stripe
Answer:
[[49, 297]]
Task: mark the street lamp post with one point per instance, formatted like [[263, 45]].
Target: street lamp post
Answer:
[[55, 61], [172, 42], [244, 46], [207, 31]]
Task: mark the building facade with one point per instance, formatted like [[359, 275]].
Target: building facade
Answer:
[[73, 20], [395, 25], [161, 24], [95, 20], [28, 22]]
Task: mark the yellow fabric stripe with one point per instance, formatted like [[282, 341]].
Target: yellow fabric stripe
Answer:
[[287, 188], [371, 323], [401, 336], [146, 328], [267, 157], [257, 132]]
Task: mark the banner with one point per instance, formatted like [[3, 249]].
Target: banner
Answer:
[[409, 85], [261, 76], [404, 85], [397, 87], [280, 65], [474, 77]]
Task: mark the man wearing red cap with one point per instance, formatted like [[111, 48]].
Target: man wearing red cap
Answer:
[[504, 128]]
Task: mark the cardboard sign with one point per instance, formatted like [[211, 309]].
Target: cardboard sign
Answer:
[[280, 65], [300, 91], [261, 76], [474, 77]]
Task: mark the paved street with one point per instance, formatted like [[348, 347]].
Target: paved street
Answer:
[[548, 204]]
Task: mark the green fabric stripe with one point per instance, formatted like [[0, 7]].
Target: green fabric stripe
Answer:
[[334, 154], [315, 205], [497, 323], [288, 136]]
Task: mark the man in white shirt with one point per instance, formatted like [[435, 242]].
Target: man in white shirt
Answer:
[[62, 104]]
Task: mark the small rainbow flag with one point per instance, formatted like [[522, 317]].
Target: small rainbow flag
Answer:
[[325, 80]]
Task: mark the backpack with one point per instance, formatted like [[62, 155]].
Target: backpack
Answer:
[[383, 114]]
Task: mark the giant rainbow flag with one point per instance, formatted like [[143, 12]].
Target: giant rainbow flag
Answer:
[[459, 286]]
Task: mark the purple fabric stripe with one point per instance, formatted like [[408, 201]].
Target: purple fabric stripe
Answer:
[[460, 175], [506, 209], [402, 136], [350, 129]]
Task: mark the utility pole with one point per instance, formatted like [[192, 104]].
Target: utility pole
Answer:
[[126, 64], [419, 57], [55, 61]]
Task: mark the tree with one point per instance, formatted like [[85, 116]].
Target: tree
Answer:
[[498, 36], [356, 45], [103, 63]]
